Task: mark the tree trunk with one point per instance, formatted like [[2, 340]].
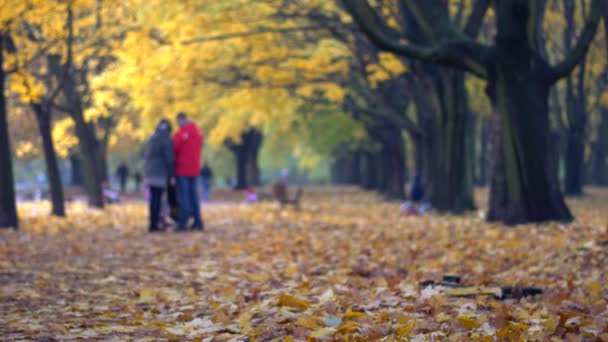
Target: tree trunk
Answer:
[[246, 154], [577, 117], [371, 168], [102, 157], [444, 117], [253, 142], [356, 175], [341, 169], [240, 158], [89, 154], [484, 146], [8, 205], [393, 168], [599, 153], [75, 170], [498, 200], [50, 157], [518, 82]]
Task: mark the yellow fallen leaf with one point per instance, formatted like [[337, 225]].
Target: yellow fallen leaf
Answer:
[[147, 295], [595, 290], [322, 332], [468, 322], [245, 321], [293, 302], [349, 327], [349, 314], [471, 291], [309, 322], [406, 329]]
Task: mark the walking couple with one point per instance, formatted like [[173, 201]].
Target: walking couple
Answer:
[[174, 163]]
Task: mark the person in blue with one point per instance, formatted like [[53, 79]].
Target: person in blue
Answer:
[[416, 205], [417, 191], [207, 180]]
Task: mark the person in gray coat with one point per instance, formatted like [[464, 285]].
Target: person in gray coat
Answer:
[[158, 169]]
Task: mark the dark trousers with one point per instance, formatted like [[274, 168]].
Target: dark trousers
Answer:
[[156, 197], [189, 205]]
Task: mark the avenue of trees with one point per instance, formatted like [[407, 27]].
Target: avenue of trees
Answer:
[[511, 94]]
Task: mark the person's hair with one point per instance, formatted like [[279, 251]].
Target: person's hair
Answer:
[[181, 116], [164, 124]]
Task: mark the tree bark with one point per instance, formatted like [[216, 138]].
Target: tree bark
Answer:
[[43, 117], [393, 168], [577, 116], [253, 142], [484, 151], [520, 86], [240, 156], [371, 170], [8, 205], [356, 175], [246, 154], [444, 118], [75, 170], [599, 152], [89, 153]]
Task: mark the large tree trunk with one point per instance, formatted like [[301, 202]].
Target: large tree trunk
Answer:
[[519, 84], [443, 149], [577, 117], [8, 206], [50, 158]]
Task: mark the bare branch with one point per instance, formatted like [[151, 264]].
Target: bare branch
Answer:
[[579, 51], [253, 33], [460, 53], [473, 25]]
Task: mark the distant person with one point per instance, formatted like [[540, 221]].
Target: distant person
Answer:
[[158, 169], [417, 191], [122, 172], [207, 180], [284, 176], [250, 195], [137, 180], [416, 205], [188, 146], [109, 195]]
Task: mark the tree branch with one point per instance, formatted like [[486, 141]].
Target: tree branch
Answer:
[[253, 33], [579, 51], [459, 53], [475, 21]]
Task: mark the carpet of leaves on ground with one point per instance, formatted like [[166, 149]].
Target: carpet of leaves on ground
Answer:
[[345, 265]]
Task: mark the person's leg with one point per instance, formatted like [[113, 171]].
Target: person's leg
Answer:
[[203, 189], [195, 204], [155, 201], [183, 201], [206, 189]]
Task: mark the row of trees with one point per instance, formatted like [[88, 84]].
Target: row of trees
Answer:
[[438, 85]]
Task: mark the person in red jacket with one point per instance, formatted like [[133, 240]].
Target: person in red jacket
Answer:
[[188, 146]]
